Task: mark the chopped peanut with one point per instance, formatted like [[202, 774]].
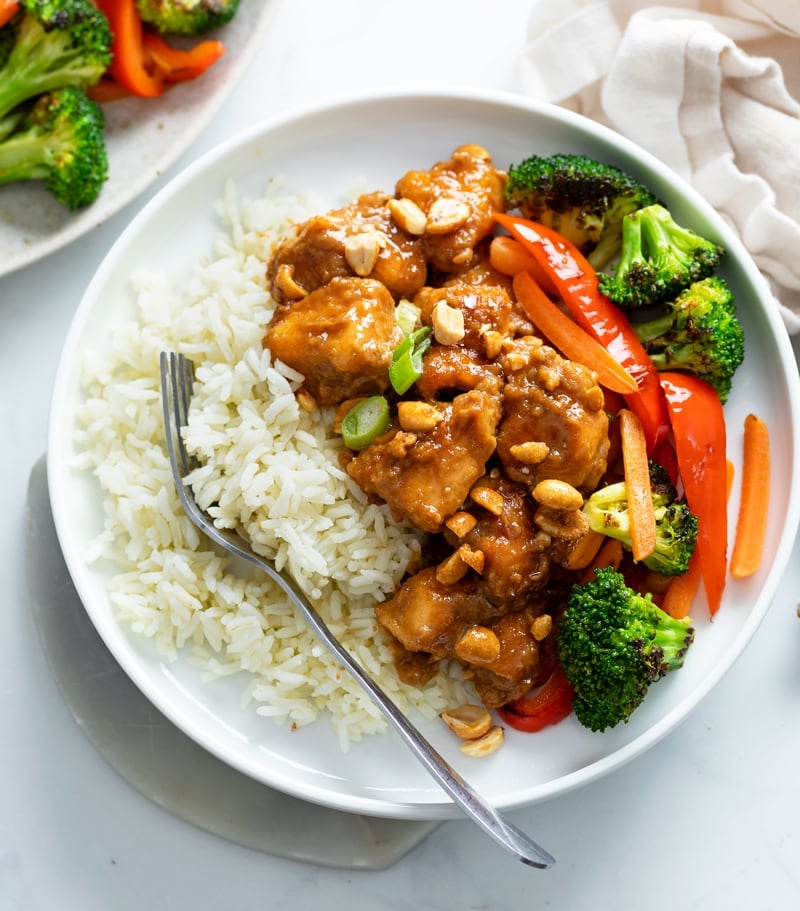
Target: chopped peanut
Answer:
[[361, 252], [461, 523], [492, 343], [489, 743], [541, 627], [285, 283], [407, 216], [418, 416], [448, 323], [446, 215], [479, 645], [451, 569], [489, 499], [557, 494], [475, 559], [530, 453], [307, 402], [468, 721]]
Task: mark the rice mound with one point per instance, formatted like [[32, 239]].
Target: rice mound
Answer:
[[268, 467]]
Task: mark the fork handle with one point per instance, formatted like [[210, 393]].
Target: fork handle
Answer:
[[473, 805]]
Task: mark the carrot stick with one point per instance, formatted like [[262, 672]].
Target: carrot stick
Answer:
[[678, 598], [610, 554], [566, 335], [751, 524], [8, 9], [637, 482], [509, 257]]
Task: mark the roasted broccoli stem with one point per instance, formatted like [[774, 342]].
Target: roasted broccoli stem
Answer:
[[698, 332], [57, 43], [676, 525], [658, 260], [583, 199], [186, 17], [61, 142], [613, 643]]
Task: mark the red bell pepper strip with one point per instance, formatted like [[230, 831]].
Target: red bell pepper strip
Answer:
[[8, 9], [577, 284], [543, 706], [698, 425], [172, 64], [143, 63], [128, 64]]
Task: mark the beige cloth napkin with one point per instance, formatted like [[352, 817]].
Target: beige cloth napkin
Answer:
[[708, 86]]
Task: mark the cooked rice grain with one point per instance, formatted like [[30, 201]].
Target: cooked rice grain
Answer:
[[269, 467]]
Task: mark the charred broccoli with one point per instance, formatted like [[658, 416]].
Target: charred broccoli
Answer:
[[613, 643], [699, 332], [676, 525], [583, 199], [186, 17], [61, 142], [659, 258], [57, 43]]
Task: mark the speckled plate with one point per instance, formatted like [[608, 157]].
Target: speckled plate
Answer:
[[144, 137]]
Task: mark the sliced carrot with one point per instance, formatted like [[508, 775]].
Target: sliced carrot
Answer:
[[610, 554], [751, 524], [566, 335], [678, 598], [637, 482], [509, 257]]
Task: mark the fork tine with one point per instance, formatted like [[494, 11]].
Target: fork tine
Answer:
[[184, 383]]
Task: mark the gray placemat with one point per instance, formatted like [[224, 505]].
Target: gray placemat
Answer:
[[157, 758]]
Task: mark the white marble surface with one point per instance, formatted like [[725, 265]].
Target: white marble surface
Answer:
[[708, 819]]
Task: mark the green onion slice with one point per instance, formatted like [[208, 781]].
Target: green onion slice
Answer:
[[365, 421], [406, 366], [407, 316]]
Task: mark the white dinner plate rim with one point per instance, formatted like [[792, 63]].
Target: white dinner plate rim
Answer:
[[439, 95]]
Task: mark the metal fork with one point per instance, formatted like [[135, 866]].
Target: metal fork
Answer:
[[177, 377]]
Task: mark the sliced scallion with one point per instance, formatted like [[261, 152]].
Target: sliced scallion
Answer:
[[406, 366], [407, 316], [365, 421]]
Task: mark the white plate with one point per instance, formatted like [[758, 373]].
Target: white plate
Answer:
[[324, 150], [143, 136]]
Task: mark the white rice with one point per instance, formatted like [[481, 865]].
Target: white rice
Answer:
[[269, 467]]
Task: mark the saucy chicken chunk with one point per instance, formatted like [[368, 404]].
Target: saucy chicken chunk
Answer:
[[360, 239], [340, 337], [554, 425], [458, 198], [425, 475]]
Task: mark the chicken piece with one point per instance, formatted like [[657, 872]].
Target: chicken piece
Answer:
[[326, 246], [429, 616], [483, 307], [458, 197], [515, 553], [340, 337], [516, 668], [449, 369], [425, 476], [554, 424]]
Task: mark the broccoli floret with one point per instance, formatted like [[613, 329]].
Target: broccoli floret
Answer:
[[57, 43], [699, 332], [186, 17], [583, 199], [613, 643], [676, 525], [61, 141], [659, 259]]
